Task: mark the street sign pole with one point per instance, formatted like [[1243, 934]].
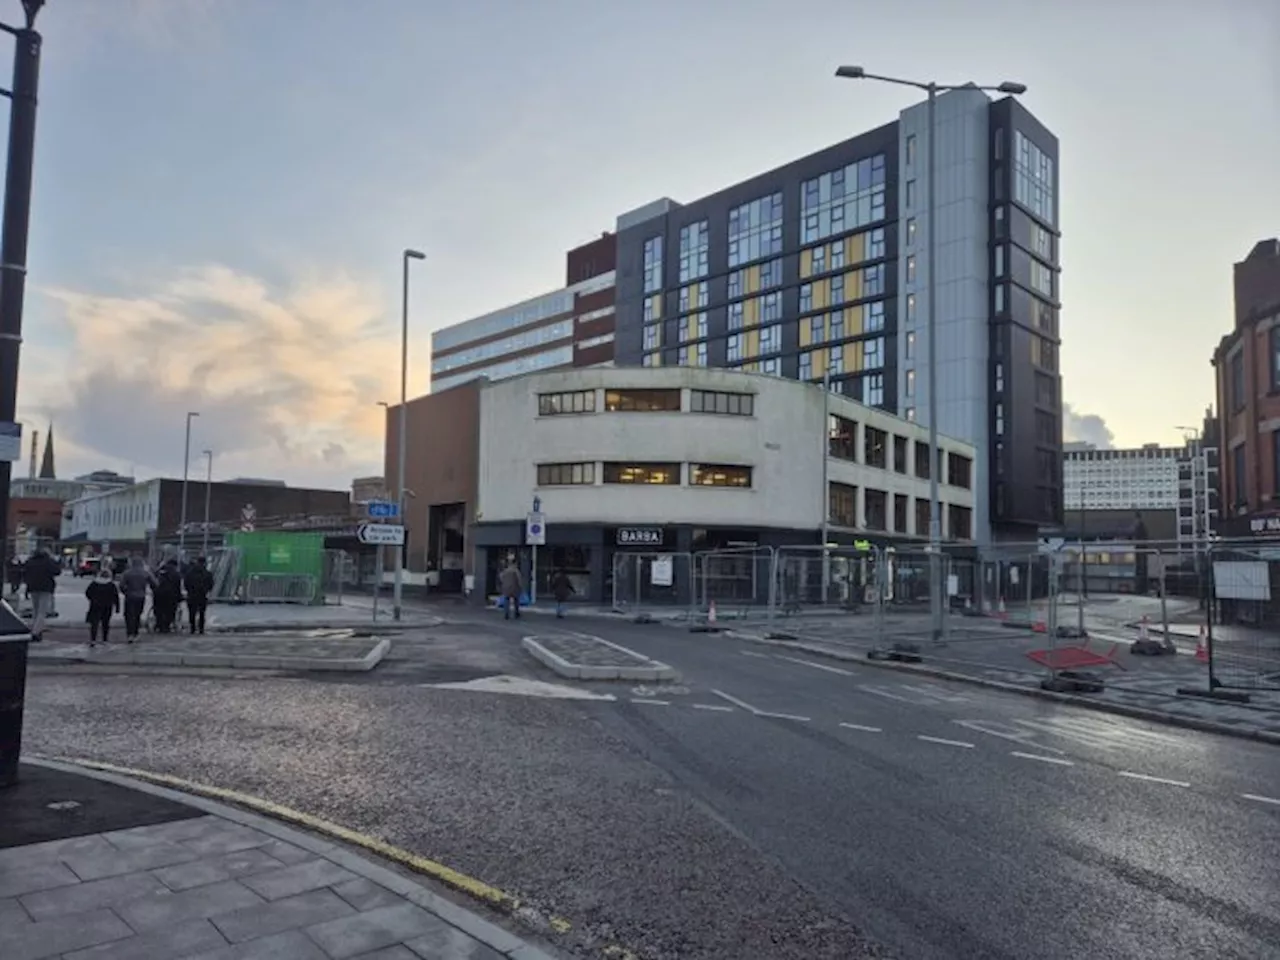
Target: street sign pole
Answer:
[[535, 533]]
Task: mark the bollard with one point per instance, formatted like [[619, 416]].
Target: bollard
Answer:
[[14, 639]]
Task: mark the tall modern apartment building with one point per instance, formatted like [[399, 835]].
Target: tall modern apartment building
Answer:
[[819, 269]]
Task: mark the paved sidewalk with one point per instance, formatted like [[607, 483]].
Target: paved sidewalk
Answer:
[[98, 867]]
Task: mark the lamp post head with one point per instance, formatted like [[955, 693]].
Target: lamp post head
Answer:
[[850, 73], [32, 7], [414, 255], [1014, 88]]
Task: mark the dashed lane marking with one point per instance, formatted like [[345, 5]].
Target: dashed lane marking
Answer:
[[1004, 731], [1043, 759], [1150, 779], [753, 653], [816, 666], [712, 706], [756, 711], [945, 742], [656, 703], [859, 726], [884, 693], [1257, 798]]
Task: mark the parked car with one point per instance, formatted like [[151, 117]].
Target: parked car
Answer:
[[88, 567]]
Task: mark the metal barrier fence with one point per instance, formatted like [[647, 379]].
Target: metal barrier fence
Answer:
[[1243, 646], [738, 580], [307, 576], [280, 588], [651, 581]]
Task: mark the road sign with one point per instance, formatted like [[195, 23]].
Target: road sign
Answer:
[[535, 530], [383, 509], [1051, 544], [382, 534]]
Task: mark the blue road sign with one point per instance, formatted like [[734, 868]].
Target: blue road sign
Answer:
[[383, 509]]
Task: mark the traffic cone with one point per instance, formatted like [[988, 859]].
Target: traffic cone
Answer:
[[1144, 629], [711, 613], [1002, 613], [1202, 647]]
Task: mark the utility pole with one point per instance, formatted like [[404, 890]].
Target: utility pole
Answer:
[[13, 281]]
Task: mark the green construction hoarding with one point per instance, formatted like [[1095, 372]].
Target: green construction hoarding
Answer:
[[271, 555]]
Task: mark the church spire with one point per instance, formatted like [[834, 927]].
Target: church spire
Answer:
[[46, 465]]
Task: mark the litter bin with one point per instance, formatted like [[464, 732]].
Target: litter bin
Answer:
[[14, 638]]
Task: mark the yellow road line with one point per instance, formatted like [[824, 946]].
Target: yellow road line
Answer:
[[459, 881]]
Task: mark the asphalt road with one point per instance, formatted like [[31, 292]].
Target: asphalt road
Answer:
[[768, 806]]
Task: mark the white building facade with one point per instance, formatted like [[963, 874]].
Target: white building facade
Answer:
[[125, 515], [1142, 478], [683, 459]]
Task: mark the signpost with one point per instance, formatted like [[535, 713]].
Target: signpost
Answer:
[[535, 535], [383, 510], [381, 534]]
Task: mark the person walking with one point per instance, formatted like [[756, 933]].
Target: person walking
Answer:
[[512, 584], [41, 577], [562, 590], [133, 584], [104, 601], [199, 584], [166, 595], [14, 572]]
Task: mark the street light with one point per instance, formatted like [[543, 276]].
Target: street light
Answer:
[[208, 496], [935, 507], [186, 469], [403, 427]]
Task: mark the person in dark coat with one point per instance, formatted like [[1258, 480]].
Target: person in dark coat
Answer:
[[166, 594], [41, 577], [561, 589], [199, 584], [14, 572], [133, 584], [104, 601]]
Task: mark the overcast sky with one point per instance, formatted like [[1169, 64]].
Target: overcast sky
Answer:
[[223, 187]]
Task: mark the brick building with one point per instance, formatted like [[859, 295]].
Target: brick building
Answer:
[[1247, 373]]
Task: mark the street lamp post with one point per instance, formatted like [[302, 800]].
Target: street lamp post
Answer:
[[186, 469], [208, 496], [935, 506], [403, 425]]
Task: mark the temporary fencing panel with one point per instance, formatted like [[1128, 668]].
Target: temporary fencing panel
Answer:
[[652, 581], [834, 578], [1244, 648], [270, 567], [736, 579]]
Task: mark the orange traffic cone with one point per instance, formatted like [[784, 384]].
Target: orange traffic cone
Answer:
[[1202, 648]]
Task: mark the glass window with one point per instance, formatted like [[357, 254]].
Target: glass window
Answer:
[[1237, 384], [693, 297], [842, 438], [733, 348], [719, 475], [900, 454], [922, 460], [910, 383], [735, 316], [876, 505], [770, 274], [909, 414], [714, 401], [652, 308], [877, 447], [694, 245], [755, 230], [959, 471], [1041, 278], [667, 474], [911, 149], [577, 401], [873, 280], [836, 325], [805, 367], [843, 199], [873, 389], [911, 231], [566, 474], [806, 297], [875, 244], [837, 290], [999, 302], [874, 316], [641, 401], [999, 264], [772, 366], [961, 522], [837, 255], [771, 339], [653, 264], [873, 354], [1033, 185], [911, 308], [819, 261], [652, 336], [694, 355], [1041, 242], [817, 328], [842, 504], [735, 284], [835, 361], [771, 308], [911, 194], [909, 347]]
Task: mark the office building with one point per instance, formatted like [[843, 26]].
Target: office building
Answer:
[[1198, 486], [571, 326], [819, 268], [1247, 373], [1142, 478]]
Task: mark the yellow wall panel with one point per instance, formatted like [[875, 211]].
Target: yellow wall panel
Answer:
[[821, 293], [852, 357], [853, 285], [751, 312], [806, 263], [853, 320], [819, 362], [657, 306], [856, 248], [753, 344], [803, 331], [753, 278]]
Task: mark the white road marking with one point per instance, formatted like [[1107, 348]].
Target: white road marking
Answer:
[[816, 666], [990, 727], [756, 711], [656, 703], [858, 726], [521, 687], [752, 653], [936, 693], [1035, 756], [948, 743], [1260, 799], [712, 706], [1150, 779], [884, 693]]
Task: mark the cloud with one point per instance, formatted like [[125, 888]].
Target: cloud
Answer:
[[286, 380], [1086, 428]]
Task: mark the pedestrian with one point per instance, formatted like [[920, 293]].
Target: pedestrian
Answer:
[[199, 584], [14, 574], [512, 584], [133, 584], [561, 589], [41, 577], [104, 601], [166, 595]]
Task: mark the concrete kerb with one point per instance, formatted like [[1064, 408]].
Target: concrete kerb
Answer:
[[1102, 706], [200, 797], [645, 668], [303, 626], [141, 657]]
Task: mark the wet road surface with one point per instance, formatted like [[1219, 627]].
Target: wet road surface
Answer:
[[767, 806]]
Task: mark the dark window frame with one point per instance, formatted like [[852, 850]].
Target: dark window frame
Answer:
[[729, 471], [631, 400], [611, 473]]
